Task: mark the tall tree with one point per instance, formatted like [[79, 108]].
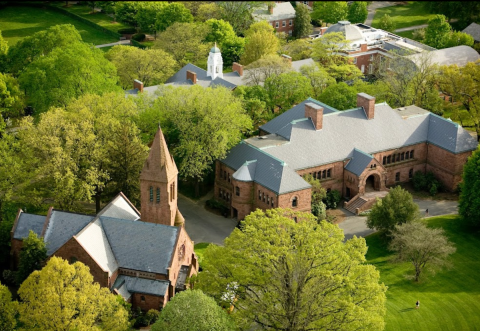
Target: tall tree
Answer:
[[423, 247], [469, 204], [239, 13], [146, 15], [396, 208], [12, 100], [193, 6], [340, 96], [3, 53], [357, 12], [284, 275], [387, 23], [318, 194], [126, 12], [258, 71], [172, 13], [286, 89], [8, 310], [326, 49], [457, 38], [331, 11], [260, 41], [208, 11], [63, 297], [298, 49], [222, 33], [254, 99], [108, 7], [302, 26], [437, 32], [67, 73], [193, 310], [32, 254], [319, 78], [150, 66]]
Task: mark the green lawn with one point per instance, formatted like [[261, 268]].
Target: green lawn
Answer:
[[414, 13], [450, 300], [17, 23], [199, 249]]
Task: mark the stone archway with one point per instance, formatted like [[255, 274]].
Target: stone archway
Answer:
[[372, 183]]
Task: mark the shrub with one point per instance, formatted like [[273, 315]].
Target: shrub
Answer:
[[428, 183], [333, 199], [127, 31], [9, 276], [139, 36]]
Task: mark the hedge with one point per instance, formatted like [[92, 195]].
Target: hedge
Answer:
[[137, 44]]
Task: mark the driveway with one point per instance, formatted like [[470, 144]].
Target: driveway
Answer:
[[355, 225], [202, 225]]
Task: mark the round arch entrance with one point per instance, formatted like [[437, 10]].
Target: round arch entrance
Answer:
[[372, 183]]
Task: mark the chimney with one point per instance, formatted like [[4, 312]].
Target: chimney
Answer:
[[138, 85], [236, 67], [322, 30], [363, 47], [270, 9], [368, 103], [192, 76], [315, 112], [287, 58]]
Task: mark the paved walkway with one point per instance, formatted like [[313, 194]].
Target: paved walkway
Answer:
[[355, 225], [372, 8], [421, 26], [121, 42]]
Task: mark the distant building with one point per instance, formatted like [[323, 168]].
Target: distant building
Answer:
[[474, 30], [280, 15]]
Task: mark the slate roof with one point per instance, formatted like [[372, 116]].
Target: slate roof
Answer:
[[62, 226], [180, 78], [358, 162], [27, 222], [474, 30], [119, 207], [141, 245], [459, 55], [281, 11], [127, 285]]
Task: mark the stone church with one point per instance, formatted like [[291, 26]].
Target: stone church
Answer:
[[145, 257], [360, 152]]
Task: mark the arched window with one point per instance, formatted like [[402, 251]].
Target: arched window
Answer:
[[158, 195], [407, 154], [268, 200], [384, 160], [411, 154], [237, 190], [272, 202], [324, 174], [294, 202], [228, 177], [398, 157], [402, 156], [314, 175], [151, 193]]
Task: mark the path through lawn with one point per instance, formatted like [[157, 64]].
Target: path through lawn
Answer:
[[450, 300], [413, 13]]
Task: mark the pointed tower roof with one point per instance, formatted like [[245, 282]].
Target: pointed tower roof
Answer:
[[159, 166]]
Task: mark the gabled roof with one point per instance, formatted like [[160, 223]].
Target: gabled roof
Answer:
[[120, 207], [180, 78], [459, 55], [358, 162], [127, 285], [140, 245], [474, 30], [449, 135], [27, 222]]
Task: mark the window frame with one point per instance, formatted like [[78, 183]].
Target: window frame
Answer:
[[277, 25], [295, 202]]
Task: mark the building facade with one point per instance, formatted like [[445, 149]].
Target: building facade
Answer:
[[281, 16]]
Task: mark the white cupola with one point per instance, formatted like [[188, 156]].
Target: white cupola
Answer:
[[215, 63]]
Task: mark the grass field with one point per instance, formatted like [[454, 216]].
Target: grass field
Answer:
[[413, 13], [17, 23], [450, 300]]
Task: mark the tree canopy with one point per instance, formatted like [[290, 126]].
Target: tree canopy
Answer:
[[172, 13], [340, 96], [193, 310], [319, 78], [469, 204], [437, 32], [284, 275], [387, 23], [302, 26], [260, 41], [12, 99], [223, 34], [330, 11], [286, 89], [32, 254], [63, 297], [258, 71], [239, 13], [357, 12], [146, 15], [8, 310]]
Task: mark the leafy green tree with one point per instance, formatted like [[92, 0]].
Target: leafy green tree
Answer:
[[40, 44], [3, 53], [193, 6], [150, 66], [126, 12], [423, 247], [469, 204], [208, 11], [8, 310], [222, 33], [260, 41], [318, 194], [108, 7], [298, 49], [339, 96], [193, 310], [218, 126], [32, 254], [63, 296], [273, 273], [437, 32], [172, 13], [387, 23], [326, 49], [254, 99], [260, 70], [302, 26], [286, 89], [239, 13], [67, 73], [457, 38], [232, 49], [331, 11], [396, 208], [146, 15], [11, 99], [184, 41], [319, 78], [357, 12]]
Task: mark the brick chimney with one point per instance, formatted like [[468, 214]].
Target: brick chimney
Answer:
[[315, 112], [287, 58], [270, 9], [138, 85], [368, 103], [323, 29], [192, 76], [236, 67], [363, 47]]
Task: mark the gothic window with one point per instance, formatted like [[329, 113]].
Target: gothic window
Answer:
[[389, 159], [402, 156], [397, 177], [324, 174], [384, 160], [158, 195], [410, 173], [411, 154], [237, 190], [398, 157], [294, 202], [329, 173], [151, 193]]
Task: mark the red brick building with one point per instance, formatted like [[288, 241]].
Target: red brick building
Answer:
[[280, 15], [144, 257], [368, 148]]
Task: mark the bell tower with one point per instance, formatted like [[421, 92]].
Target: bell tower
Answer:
[[158, 185], [215, 63]]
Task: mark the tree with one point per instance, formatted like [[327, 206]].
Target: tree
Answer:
[[232, 49], [457, 38], [286, 89], [150, 66], [469, 204], [254, 99], [319, 78], [3, 53], [32, 254], [331, 11], [339, 96], [318, 194], [11, 99], [108, 7], [93, 5], [326, 49], [146, 15], [8, 310], [258, 71], [397, 207], [298, 49], [40, 44], [193, 6], [63, 296], [222, 33], [172, 13], [184, 41], [284, 275], [437, 32], [423, 247], [239, 13], [387, 23], [126, 12], [193, 310], [218, 126], [302, 26], [260, 41], [208, 11], [67, 73], [357, 12]]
